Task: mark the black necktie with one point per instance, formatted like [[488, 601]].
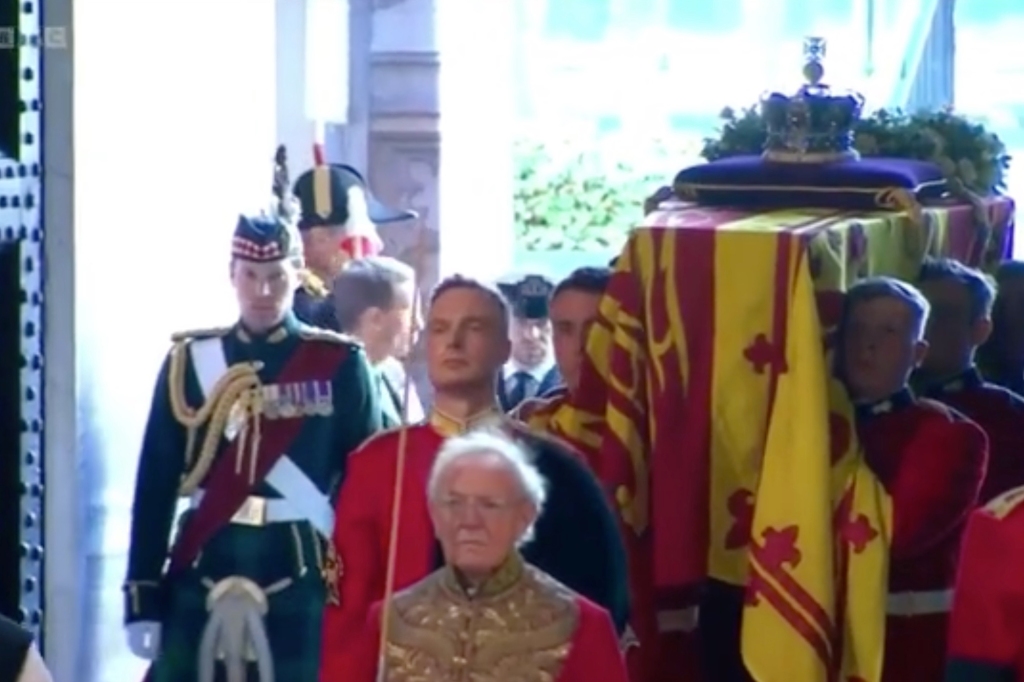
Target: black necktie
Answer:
[[520, 388]]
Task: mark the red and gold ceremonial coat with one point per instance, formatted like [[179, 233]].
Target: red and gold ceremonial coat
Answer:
[[520, 626], [577, 539], [931, 460], [986, 633]]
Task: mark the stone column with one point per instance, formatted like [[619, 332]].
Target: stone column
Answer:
[[403, 135], [463, 194]]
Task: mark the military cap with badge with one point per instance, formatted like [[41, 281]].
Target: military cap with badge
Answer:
[[531, 370], [265, 239], [528, 296]]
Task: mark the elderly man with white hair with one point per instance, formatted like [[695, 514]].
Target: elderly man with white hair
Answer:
[[487, 615]]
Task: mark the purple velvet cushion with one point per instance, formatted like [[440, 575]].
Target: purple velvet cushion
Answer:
[[864, 185]]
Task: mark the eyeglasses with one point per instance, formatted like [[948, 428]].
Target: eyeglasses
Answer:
[[486, 507]]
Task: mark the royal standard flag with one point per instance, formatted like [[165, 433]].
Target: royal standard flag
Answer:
[[683, 396], [820, 520]]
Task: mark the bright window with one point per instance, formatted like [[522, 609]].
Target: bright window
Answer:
[[619, 94], [990, 78]]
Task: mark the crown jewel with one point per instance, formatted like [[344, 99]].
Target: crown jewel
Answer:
[[816, 124]]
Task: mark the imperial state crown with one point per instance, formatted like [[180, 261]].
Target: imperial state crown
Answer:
[[816, 124]]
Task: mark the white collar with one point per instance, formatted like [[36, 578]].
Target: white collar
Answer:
[[538, 373]]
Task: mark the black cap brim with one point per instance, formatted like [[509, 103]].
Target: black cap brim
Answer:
[[382, 215], [379, 214]]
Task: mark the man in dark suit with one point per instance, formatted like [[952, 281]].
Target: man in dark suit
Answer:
[[374, 301], [531, 370]]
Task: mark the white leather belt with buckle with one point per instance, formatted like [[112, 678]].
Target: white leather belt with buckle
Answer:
[[259, 511], [919, 603]]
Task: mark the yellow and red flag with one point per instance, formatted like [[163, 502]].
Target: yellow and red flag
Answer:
[[820, 521], [722, 433]]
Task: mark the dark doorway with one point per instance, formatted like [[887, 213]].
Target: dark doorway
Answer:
[[22, 42], [10, 431]]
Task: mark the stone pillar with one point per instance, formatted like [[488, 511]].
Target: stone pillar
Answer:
[[463, 195], [403, 138]]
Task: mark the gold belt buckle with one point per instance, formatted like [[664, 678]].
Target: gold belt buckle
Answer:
[[253, 512]]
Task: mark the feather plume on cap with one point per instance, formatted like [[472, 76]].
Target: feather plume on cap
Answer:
[[284, 206]]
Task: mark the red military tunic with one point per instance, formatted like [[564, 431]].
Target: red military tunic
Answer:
[[1000, 414], [931, 461], [986, 634], [668, 647], [521, 625], [577, 539]]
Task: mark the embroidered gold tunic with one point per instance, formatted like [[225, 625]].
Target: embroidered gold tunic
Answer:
[[517, 627]]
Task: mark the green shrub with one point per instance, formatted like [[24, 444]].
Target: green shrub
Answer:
[[570, 200]]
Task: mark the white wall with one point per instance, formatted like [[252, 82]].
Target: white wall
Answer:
[[175, 108]]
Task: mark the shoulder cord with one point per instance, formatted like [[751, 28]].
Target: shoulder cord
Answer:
[[312, 283], [238, 395]]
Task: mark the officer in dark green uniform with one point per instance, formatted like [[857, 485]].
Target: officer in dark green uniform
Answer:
[[252, 424], [338, 219]]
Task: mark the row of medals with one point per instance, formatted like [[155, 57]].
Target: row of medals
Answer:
[[297, 400]]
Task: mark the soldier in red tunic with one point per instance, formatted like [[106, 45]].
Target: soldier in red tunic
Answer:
[[930, 459], [487, 615], [986, 633], [959, 322], [577, 539], [1001, 359]]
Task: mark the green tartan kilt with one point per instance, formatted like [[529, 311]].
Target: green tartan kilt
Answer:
[[293, 620]]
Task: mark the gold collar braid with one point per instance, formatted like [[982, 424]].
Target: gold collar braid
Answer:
[[235, 403]]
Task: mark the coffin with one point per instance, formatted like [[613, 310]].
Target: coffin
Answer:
[[724, 437]]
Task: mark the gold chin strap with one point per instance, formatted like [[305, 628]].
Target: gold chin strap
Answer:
[[232, 409]]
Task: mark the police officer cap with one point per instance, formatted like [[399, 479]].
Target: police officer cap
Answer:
[[325, 196], [264, 239], [528, 296]]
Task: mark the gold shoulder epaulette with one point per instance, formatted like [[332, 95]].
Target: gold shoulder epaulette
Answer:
[[317, 334], [1003, 506], [191, 334]]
